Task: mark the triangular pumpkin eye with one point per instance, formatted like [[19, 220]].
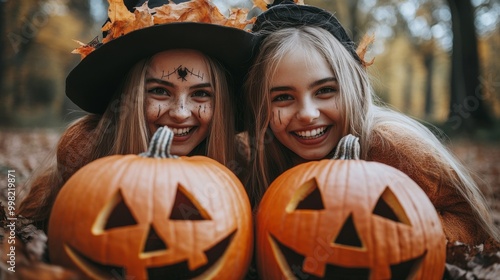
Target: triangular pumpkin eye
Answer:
[[115, 214], [307, 197], [187, 207], [348, 234], [388, 207]]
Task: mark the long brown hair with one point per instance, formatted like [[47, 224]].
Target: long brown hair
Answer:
[[122, 129]]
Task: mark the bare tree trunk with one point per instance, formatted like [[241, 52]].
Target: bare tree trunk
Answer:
[[2, 51], [428, 62], [467, 108], [408, 86]]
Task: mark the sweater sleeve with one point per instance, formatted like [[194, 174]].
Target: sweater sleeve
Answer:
[[416, 159]]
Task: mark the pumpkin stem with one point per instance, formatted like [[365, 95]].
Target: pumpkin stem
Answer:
[[160, 144], [347, 148]]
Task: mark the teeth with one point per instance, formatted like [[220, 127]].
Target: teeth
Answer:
[[312, 133], [181, 131]]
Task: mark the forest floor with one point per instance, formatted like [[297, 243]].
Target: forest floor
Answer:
[[24, 151]]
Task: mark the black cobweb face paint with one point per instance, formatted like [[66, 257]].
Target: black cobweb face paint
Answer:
[[279, 116], [159, 110], [182, 73]]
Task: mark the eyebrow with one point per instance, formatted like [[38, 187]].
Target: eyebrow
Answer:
[[312, 85], [170, 84], [322, 81]]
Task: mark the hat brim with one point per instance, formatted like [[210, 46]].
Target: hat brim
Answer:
[[92, 83]]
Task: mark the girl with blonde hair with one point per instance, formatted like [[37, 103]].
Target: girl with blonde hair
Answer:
[[308, 88]]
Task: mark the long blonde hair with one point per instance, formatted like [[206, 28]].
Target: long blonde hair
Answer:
[[364, 114]]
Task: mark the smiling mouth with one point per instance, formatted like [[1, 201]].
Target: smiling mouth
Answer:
[[181, 132], [311, 134]]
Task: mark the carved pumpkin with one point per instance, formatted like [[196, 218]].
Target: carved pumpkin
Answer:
[[150, 217], [348, 219]]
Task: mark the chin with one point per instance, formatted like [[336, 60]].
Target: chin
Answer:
[[179, 152], [309, 157]]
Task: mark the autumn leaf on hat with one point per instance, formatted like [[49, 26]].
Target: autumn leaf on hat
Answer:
[[122, 21], [362, 49], [201, 11], [85, 49], [264, 4]]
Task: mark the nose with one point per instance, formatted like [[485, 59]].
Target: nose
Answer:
[[180, 111], [308, 111]]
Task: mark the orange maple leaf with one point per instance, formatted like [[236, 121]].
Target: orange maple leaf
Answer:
[[83, 50], [362, 48], [261, 4], [119, 19], [122, 21]]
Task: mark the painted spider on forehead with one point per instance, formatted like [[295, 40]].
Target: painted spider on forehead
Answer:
[[183, 72]]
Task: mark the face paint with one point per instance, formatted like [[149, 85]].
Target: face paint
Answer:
[[175, 97], [182, 72]]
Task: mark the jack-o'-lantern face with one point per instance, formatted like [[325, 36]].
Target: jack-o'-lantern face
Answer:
[[130, 216], [348, 220]]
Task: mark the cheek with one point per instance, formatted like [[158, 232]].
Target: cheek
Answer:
[[332, 111], [204, 112], [154, 110], [280, 118]]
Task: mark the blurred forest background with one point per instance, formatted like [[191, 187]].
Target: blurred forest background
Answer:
[[436, 60]]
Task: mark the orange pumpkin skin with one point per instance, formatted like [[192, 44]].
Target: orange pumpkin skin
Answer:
[[188, 217], [351, 219]]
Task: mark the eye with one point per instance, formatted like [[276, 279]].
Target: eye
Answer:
[[282, 97], [327, 90], [158, 91], [201, 94]]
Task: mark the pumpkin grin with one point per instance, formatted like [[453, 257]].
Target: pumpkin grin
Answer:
[[292, 263], [178, 270]]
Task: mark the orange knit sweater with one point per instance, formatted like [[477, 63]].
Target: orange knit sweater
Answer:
[[410, 155]]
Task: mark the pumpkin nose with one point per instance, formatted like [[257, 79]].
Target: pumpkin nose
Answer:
[[154, 242]]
